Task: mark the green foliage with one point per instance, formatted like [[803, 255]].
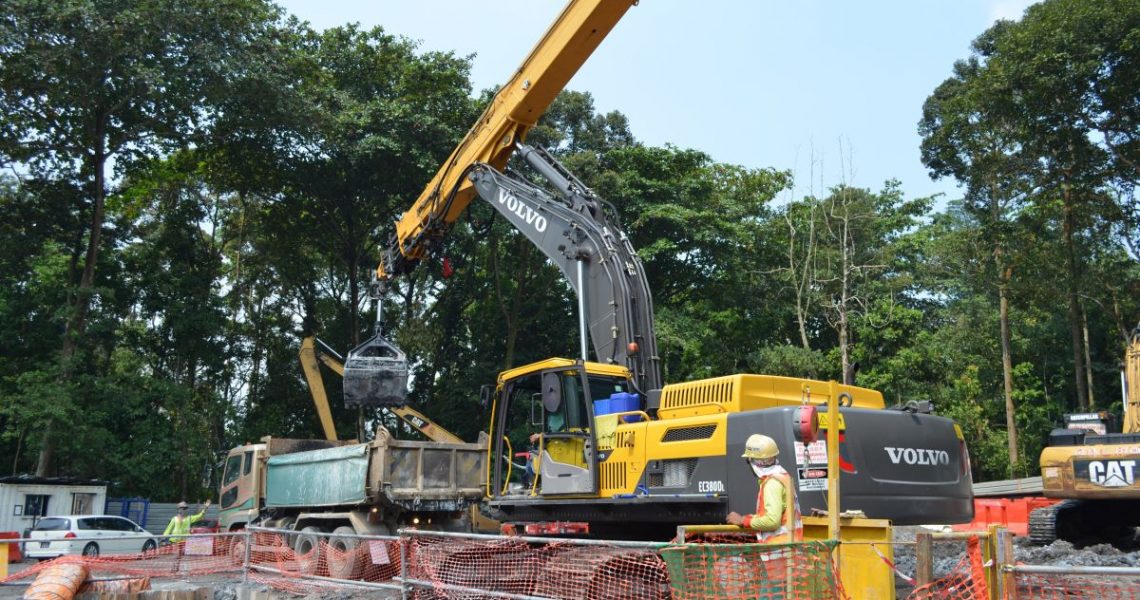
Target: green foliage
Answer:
[[259, 164]]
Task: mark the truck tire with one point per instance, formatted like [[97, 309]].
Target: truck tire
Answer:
[[344, 562], [307, 550], [237, 550]]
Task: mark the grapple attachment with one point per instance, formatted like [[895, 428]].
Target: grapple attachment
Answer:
[[375, 374]]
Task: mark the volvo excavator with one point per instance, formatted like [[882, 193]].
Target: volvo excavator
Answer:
[[1094, 470], [620, 453]]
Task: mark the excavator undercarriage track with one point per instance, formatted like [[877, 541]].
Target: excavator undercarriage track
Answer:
[[1083, 523]]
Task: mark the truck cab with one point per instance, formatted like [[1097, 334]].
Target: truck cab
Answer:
[[243, 482]]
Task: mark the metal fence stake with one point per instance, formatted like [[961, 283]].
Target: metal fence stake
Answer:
[[248, 553], [403, 567], [1007, 583]]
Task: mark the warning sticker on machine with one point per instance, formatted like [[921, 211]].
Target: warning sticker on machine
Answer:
[[813, 479], [815, 454]]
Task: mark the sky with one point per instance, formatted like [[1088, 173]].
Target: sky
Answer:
[[831, 90]]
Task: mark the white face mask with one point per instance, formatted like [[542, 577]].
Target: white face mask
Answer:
[[764, 471]]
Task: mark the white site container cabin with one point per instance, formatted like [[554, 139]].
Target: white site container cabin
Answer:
[[26, 498]]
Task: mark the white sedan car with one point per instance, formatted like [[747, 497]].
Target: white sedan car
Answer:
[[88, 535]]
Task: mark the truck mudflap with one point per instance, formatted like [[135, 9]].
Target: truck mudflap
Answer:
[[908, 467]]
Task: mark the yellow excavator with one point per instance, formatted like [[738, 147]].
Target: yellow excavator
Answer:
[[621, 454], [1095, 470]]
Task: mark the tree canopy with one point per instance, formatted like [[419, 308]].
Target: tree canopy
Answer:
[[192, 187]]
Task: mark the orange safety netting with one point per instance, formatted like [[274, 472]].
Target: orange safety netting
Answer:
[[197, 555], [750, 570], [1034, 586], [372, 559], [451, 566], [966, 582], [457, 567]]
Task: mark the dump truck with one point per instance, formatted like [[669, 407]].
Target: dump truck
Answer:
[[335, 486], [621, 453], [1093, 466], [317, 487]]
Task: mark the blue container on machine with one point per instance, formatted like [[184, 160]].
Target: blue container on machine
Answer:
[[625, 402], [602, 406]]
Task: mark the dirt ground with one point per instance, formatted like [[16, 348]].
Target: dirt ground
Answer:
[[947, 555]]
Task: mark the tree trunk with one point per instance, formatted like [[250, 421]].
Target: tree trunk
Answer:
[[848, 376], [77, 324], [354, 302], [801, 276], [1074, 300], [19, 446], [1088, 358], [1007, 367]]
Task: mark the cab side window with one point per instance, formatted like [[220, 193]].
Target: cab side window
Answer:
[[233, 469], [574, 402]]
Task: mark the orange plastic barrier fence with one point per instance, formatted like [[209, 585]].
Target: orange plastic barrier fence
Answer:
[[345, 558], [14, 554], [452, 566], [1011, 513], [1074, 586], [558, 569], [966, 582], [197, 555]]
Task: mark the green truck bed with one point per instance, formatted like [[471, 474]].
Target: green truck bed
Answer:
[[384, 470]]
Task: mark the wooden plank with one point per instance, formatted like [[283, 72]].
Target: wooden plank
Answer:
[[924, 559]]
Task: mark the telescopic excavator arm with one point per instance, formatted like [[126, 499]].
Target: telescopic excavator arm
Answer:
[[577, 31]]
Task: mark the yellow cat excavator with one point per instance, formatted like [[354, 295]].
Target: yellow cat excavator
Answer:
[[1095, 470]]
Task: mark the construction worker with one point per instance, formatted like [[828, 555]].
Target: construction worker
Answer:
[[777, 516], [180, 523]]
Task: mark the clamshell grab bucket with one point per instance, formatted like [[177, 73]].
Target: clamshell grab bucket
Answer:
[[375, 374]]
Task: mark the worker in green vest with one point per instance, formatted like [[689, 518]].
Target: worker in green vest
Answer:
[[180, 524]]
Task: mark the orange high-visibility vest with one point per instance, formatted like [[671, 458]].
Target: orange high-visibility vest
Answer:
[[792, 528]]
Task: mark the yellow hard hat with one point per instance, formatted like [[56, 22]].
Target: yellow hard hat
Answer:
[[760, 446]]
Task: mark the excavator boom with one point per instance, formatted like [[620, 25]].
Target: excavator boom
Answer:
[[309, 357], [376, 372], [572, 228], [578, 30]]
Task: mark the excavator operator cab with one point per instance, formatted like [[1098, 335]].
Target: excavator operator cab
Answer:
[[554, 399], [375, 374]]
